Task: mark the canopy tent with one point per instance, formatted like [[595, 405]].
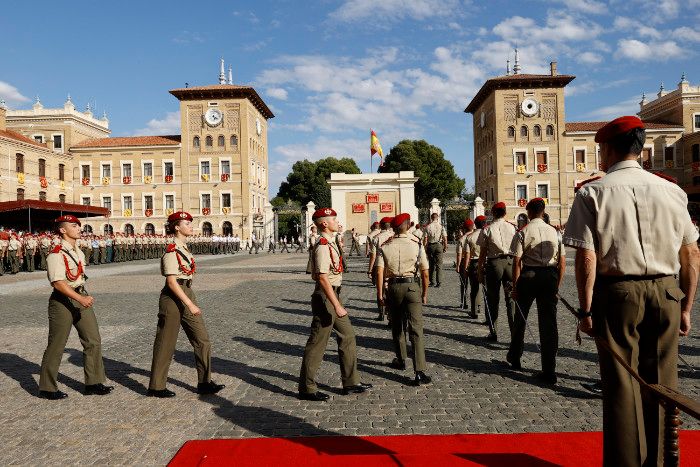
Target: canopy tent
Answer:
[[32, 215]]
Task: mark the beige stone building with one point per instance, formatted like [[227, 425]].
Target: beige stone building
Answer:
[[524, 147], [216, 168]]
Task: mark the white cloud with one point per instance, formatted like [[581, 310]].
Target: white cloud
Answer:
[[393, 10], [168, 125], [559, 27], [188, 37], [11, 94], [642, 51], [586, 6], [628, 24], [277, 93], [590, 58], [627, 107], [687, 34]]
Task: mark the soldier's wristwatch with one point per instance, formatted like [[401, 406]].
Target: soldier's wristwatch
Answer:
[[583, 314]]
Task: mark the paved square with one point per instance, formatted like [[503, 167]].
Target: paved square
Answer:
[[257, 311]]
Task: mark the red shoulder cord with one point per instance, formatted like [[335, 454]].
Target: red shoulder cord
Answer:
[[336, 268], [70, 276], [185, 270]]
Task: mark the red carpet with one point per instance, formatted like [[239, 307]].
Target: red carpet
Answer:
[[520, 450]]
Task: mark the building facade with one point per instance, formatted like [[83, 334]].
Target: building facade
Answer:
[[216, 168], [524, 147]]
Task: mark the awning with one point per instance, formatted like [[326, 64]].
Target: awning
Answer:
[[33, 214]]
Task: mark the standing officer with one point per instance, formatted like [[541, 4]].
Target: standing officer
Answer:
[[398, 262], [462, 262], [178, 305], [4, 244], [472, 264], [435, 245], [539, 263], [326, 267], [628, 286], [70, 305], [384, 234], [496, 266], [30, 246], [44, 250]]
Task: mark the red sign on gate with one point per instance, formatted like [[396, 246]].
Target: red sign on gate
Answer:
[[358, 208], [372, 198], [386, 207]]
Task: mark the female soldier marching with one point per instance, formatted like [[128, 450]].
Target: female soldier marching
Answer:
[[177, 306]]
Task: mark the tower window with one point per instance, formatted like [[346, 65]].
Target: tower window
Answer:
[[523, 131], [195, 142], [209, 141], [42, 167], [234, 141], [222, 141], [550, 131], [511, 132], [537, 131]]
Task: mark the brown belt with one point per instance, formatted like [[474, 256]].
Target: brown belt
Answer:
[[186, 282], [401, 280], [614, 279]]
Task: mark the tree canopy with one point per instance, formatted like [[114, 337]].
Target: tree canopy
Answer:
[[307, 180], [436, 175]]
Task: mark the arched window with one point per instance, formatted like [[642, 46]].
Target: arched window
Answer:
[[19, 159], [209, 141], [227, 228], [61, 172], [523, 131], [234, 141], [129, 229], [222, 141], [206, 229], [537, 131], [108, 229], [550, 131], [511, 132], [87, 229], [195, 142], [42, 167], [20, 194], [150, 229]]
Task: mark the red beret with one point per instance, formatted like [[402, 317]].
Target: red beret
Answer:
[[499, 205], [323, 212], [375, 224], [180, 215], [468, 223], [531, 203], [67, 218], [386, 220], [480, 219], [400, 219], [617, 127]]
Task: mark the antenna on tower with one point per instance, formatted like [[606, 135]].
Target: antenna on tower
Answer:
[[516, 65], [230, 75], [508, 67], [222, 73]]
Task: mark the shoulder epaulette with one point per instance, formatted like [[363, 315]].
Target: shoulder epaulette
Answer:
[[592, 179], [56, 249], [170, 248], [323, 241], [387, 241], [516, 227], [666, 177]]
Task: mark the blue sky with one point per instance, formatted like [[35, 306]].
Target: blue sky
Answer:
[[331, 69]]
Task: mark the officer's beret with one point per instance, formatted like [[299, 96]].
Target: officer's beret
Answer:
[[179, 216], [323, 212], [619, 126], [385, 220], [67, 218], [400, 219], [534, 202], [499, 205], [468, 223], [375, 224], [480, 219]]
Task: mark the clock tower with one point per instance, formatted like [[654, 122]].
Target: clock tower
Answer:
[[224, 156]]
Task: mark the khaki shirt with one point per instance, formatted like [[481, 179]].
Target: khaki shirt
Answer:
[[56, 264], [382, 237], [635, 221], [435, 232], [399, 256], [170, 266], [14, 245], [313, 239], [370, 239], [538, 245], [475, 249], [45, 243], [497, 238], [463, 245], [326, 260], [30, 243]]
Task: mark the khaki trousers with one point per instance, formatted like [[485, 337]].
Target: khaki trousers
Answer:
[[64, 313], [406, 306], [171, 314], [434, 251], [640, 320], [499, 271], [475, 294], [324, 320]]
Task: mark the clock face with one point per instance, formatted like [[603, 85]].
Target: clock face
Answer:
[[258, 127], [213, 117], [529, 107]]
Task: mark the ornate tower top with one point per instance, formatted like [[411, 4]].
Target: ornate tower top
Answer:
[[230, 75], [516, 65], [643, 102], [661, 90], [222, 73], [508, 67]]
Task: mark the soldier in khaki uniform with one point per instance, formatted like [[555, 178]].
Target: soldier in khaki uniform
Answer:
[[70, 305], [496, 266], [13, 253], [178, 306], [369, 243], [45, 249], [472, 264], [3, 254], [539, 263], [326, 267], [435, 246], [634, 240], [462, 249], [30, 248], [355, 246], [384, 234], [399, 261]]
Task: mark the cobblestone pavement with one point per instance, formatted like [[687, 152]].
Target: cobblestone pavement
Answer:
[[257, 311]]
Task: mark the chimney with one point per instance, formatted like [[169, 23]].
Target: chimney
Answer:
[[553, 68], [3, 115]]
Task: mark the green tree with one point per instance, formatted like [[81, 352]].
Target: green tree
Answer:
[[307, 180], [436, 175]]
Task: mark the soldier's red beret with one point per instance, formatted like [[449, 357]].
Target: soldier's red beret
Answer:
[[480, 219], [180, 216], [375, 224], [617, 127], [323, 212], [67, 218], [385, 220], [468, 223], [499, 205], [400, 219], [531, 204]]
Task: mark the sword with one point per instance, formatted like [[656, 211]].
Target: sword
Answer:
[[486, 305], [463, 290], [532, 335], [573, 311]]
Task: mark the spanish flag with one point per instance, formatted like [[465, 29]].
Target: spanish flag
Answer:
[[375, 147]]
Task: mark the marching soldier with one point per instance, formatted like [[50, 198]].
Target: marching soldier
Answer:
[[496, 266], [44, 250], [70, 305], [463, 254], [355, 243], [435, 246], [326, 267], [30, 246], [628, 286], [384, 234], [178, 306], [398, 262], [3, 254], [472, 264], [285, 247], [539, 263], [313, 239], [271, 245], [369, 243]]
